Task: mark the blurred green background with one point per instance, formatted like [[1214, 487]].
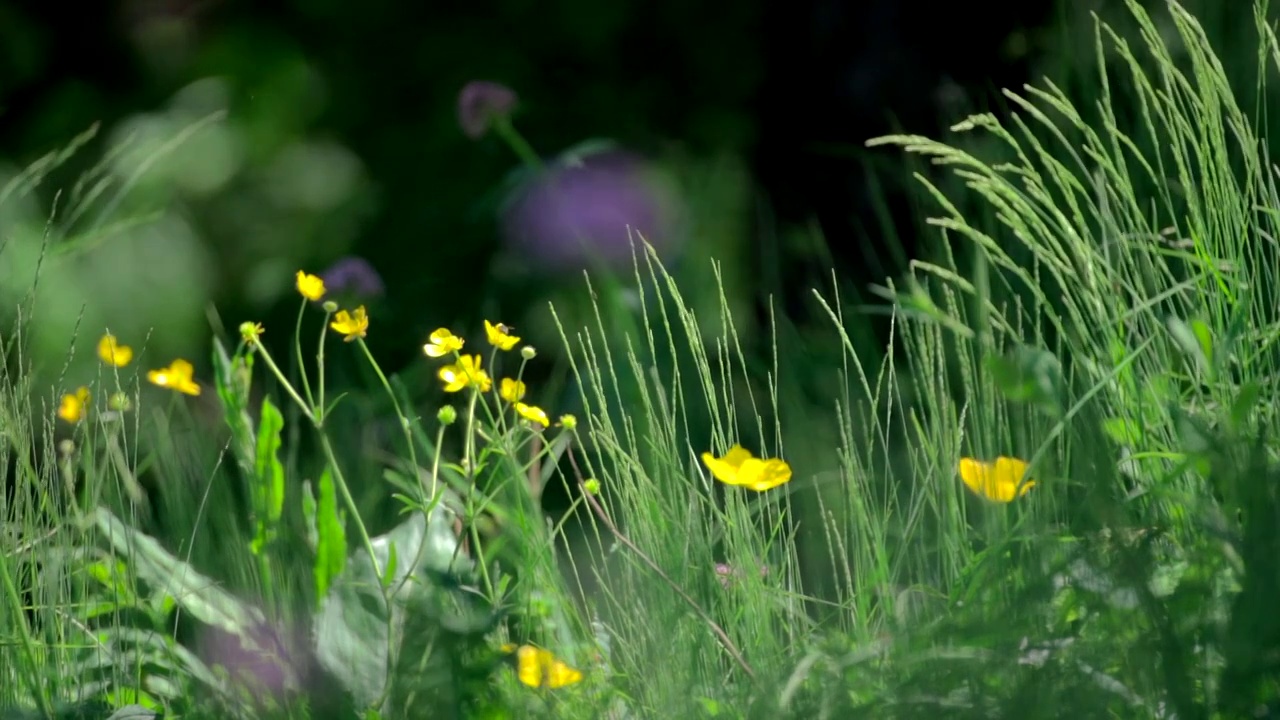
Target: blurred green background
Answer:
[[221, 145], [239, 141]]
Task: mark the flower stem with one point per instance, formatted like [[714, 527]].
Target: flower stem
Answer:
[[288, 386], [521, 147], [297, 347], [404, 420]]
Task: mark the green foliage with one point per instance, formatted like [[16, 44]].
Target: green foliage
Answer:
[[268, 479], [1110, 319]]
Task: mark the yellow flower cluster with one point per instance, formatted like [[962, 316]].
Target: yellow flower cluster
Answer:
[[466, 370], [178, 376], [351, 324]]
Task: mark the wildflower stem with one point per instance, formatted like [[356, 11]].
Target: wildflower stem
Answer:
[[284, 382], [340, 480], [395, 403], [297, 348], [721, 635], [512, 137], [324, 333], [470, 455]]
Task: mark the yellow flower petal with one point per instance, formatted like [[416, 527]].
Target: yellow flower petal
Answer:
[[73, 406], [533, 413], [761, 475], [310, 286], [511, 390], [559, 675], [464, 373], [442, 342], [178, 376], [725, 469], [499, 336], [1001, 481], [535, 666], [352, 325], [113, 353]]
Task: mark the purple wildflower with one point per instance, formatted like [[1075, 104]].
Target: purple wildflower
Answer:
[[273, 672], [589, 209], [353, 275], [479, 102], [725, 573]]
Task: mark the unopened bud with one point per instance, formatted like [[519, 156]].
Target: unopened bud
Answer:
[[447, 415]]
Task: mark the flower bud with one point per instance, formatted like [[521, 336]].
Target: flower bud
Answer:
[[447, 415]]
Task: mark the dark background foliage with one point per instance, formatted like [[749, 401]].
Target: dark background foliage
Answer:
[[790, 90]]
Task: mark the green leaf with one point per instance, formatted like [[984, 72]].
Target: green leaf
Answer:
[[1195, 342], [268, 477], [201, 597], [331, 537], [1245, 401], [309, 514], [1029, 375], [389, 571], [1122, 430], [231, 379], [351, 628]]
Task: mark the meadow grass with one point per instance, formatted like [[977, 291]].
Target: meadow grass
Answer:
[[1104, 308]]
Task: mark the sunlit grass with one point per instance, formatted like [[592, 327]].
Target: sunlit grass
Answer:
[[1108, 317]]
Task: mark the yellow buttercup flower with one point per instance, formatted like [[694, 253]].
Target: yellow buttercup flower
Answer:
[[500, 336], [539, 668], [1001, 481], [533, 413], [175, 377], [74, 405], [442, 342], [511, 390], [310, 286], [738, 467], [464, 373], [353, 325], [113, 353]]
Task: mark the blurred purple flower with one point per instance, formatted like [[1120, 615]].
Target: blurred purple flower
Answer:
[[353, 275], [725, 573], [272, 672], [479, 102], [590, 208]]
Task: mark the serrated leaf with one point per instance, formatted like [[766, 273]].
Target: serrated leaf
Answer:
[[231, 383], [331, 537], [268, 477]]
